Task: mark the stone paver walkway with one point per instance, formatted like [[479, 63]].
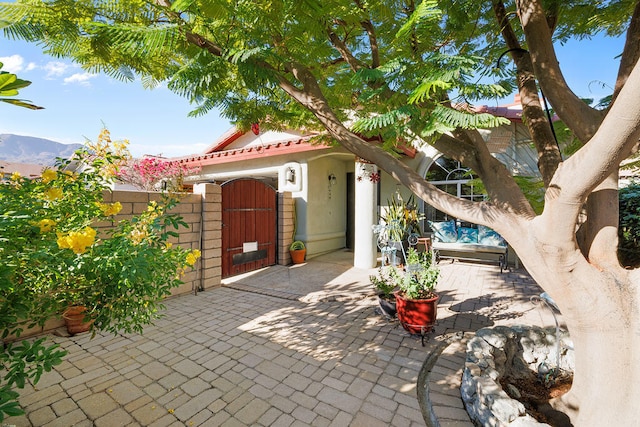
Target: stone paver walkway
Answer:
[[299, 353]]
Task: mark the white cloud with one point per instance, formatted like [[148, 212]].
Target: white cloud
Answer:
[[12, 64], [79, 78], [31, 66], [55, 69]]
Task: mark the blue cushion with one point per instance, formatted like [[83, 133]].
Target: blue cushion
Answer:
[[486, 236], [444, 231], [467, 235]]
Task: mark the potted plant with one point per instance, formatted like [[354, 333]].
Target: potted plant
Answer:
[[385, 283], [297, 251], [416, 300], [401, 220]]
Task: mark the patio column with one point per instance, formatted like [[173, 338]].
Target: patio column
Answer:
[[366, 215]]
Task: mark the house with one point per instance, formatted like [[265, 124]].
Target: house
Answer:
[[338, 197]]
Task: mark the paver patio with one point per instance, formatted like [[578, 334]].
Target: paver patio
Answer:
[[299, 353]]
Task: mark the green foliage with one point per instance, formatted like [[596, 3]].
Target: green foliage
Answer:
[[421, 277], [62, 245], [296, 245], [401, 219], [629, 227], [10, 85], [386, 281]]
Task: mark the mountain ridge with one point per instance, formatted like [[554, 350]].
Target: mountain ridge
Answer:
[[33, 150]]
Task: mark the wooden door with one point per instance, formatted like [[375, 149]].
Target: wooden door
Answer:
[[249, 215]]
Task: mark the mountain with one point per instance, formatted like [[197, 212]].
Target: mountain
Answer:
[[29, 149]]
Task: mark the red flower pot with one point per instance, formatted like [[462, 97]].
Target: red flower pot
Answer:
[[416, 315]]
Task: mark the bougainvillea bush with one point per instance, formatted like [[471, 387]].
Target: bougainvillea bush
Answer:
[[62, 245], [153, 174]]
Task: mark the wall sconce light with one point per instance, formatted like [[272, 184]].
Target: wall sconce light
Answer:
[[290, 175], [332, 179]]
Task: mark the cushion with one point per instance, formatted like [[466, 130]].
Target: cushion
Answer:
[[486, 236], [467, 235], [444, 231]]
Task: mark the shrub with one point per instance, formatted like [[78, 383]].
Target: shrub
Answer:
[[629, 225]]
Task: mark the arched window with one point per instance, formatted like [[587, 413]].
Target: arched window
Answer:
[[454, 178]]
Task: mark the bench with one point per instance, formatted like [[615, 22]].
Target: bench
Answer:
[[453, 251], [468, 242]]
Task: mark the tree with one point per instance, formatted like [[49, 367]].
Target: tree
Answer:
[[395, 70]]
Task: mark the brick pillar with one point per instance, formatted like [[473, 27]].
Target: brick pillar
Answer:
[[211, 262], [286, 226]]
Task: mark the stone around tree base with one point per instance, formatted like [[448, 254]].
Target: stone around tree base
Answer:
[[494, 352]]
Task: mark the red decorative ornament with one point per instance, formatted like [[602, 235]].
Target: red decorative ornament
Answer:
[[255, 128], [374, 177]]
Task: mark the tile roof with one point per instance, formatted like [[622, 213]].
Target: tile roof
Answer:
[[253, 152]]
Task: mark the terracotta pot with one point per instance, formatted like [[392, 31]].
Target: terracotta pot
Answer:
[[298, 255], [417, 315], [74, 319]]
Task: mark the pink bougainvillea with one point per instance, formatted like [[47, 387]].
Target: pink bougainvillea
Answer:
[[153, 173]]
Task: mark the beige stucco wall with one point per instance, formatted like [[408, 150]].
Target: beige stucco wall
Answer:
[[324, 221]]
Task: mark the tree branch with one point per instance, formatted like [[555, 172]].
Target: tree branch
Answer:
[[312, 98], [373, 43], [533, 114], [344, 51], [630, 52], [614, 141], [577, 115]]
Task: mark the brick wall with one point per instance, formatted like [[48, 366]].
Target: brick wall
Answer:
[[286, 226], [201, 210]]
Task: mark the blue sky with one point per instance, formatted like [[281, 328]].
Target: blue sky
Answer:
[[155, 121]]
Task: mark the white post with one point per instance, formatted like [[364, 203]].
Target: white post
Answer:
[[366, 215]]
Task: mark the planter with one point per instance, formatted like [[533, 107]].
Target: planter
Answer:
[[416, 315], [74, 319], [387, 305], [298, 255]]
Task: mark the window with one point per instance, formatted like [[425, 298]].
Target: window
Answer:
[[454, 178]]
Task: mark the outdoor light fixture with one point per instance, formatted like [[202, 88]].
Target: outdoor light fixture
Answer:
[[332, 179], [290, 175]]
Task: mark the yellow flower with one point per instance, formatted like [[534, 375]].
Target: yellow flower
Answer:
[[46, 225], [16, 176], [49, 175], [137, 236], [53, 193], [71, 175], [77, 241], [192, 257], [152, 206], [110, 209]]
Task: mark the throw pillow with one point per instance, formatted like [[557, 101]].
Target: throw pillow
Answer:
[[487, 236], [467, 235], [444, 231]]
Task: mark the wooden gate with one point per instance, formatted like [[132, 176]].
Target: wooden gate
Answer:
[[249, 216]]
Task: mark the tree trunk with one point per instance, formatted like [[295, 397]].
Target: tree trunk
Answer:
[[600, 308]]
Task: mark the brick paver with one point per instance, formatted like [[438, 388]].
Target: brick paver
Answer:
[[229, 357]]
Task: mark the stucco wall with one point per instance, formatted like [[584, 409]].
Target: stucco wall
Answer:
[[326, 208]]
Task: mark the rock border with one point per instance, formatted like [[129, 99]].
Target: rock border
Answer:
[[494, 350]]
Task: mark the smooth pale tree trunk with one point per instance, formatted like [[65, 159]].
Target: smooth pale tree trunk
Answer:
[[600, 308]]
